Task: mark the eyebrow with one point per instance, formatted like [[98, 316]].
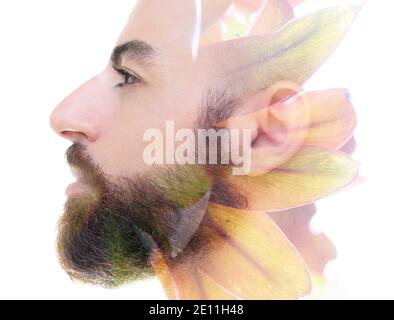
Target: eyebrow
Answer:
[[137, 50]]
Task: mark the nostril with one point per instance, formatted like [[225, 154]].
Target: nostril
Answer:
[[74, 136]]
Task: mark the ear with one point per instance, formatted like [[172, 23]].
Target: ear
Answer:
[[278, 119]]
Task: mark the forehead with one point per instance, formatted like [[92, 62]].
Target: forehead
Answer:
[[165, 26], [173, 30], [167, 22]]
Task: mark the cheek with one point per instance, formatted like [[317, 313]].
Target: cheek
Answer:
[[120, 148]]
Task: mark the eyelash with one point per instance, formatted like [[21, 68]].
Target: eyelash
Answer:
[[126, 76]]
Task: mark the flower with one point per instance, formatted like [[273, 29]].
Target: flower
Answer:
[[246, 254]]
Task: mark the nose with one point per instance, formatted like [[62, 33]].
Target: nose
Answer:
[[76, 118]]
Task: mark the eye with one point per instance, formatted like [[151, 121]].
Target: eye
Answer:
[[128, 78]]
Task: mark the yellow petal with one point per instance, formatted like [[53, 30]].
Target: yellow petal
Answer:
[[332, 117], [311, 174], [245, 257]]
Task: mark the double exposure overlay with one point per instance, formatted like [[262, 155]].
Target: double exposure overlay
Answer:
[[198, 155]]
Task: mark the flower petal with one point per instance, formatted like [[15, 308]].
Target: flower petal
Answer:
[[316, 249], [274, 16], [295, 3], [249, 6], [212, 10], [311, 174], [332, 118], [251, 64], [246, 257]]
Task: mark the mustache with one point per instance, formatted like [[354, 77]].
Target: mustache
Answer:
[[83, 166]]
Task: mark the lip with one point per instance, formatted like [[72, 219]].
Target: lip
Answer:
[[75, 187], [78, 185]]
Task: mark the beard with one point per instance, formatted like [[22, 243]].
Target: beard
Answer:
[[108, 233]]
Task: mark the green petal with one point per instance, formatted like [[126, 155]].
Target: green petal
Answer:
[[291, 54]]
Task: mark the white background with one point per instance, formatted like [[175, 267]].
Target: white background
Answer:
[[48, 48]]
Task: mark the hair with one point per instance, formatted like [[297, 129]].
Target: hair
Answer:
[[217, 105]]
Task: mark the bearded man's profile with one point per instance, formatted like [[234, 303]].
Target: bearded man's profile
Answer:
[[200, 213]]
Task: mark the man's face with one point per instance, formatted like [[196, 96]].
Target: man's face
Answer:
[[150, 79], [120, 208]]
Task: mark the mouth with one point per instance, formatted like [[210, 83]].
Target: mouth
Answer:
[[78, 186]]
